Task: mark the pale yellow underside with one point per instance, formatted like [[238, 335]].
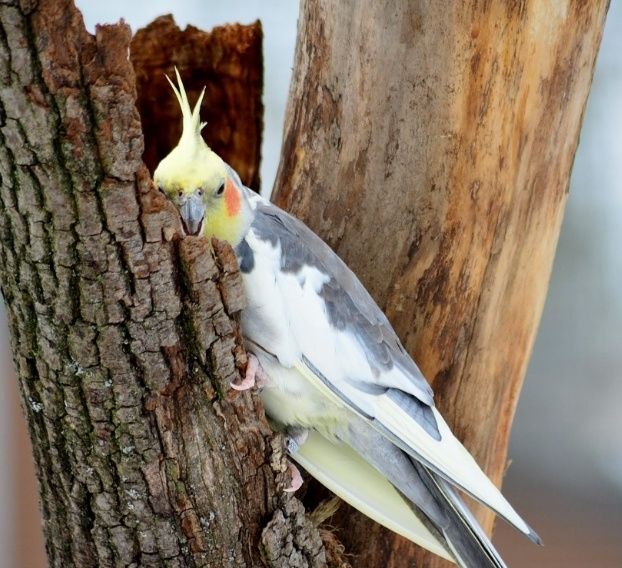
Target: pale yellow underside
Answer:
[[345, 473]]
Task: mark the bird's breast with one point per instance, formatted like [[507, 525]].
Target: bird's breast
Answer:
[[291, 400]]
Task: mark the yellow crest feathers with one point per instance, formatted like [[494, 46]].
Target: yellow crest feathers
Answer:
[[191, 164], [192, 124]]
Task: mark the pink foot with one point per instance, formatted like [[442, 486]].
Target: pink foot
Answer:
[[296, 478], [254, 376]]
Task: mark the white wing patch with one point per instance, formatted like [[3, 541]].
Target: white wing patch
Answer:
[[267, 319]]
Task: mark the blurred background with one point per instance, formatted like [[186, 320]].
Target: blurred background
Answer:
[[566, 450]]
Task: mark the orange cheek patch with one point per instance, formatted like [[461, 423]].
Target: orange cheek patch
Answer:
[[232, 199]]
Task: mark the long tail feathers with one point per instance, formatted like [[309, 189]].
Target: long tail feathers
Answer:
[[394, 420], [379, 479], [440, 508], [468, 543], [348, 475]]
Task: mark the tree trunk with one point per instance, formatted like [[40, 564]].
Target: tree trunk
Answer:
[[125, 337], [430, 144]]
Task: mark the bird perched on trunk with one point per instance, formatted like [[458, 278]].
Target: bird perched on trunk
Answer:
[[358, 414]]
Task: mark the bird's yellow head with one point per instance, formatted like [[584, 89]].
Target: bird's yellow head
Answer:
[[205, 190]]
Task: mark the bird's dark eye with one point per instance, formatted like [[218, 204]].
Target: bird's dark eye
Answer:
[[180, 193], [200, 192], [221, 189]]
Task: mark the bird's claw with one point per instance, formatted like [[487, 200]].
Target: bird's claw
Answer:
[[296, 481], [247, 383], [254, 376]]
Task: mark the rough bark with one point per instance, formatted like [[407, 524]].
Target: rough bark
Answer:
[[430, 144], [125, 337]]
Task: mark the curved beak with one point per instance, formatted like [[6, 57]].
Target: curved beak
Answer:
[[192, 212]]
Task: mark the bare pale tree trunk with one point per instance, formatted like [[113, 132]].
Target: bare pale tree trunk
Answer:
[[124, 337], [430, 144]]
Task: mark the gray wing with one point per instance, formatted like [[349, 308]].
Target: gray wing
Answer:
[[436, 504], [349, 305], [397, 402]]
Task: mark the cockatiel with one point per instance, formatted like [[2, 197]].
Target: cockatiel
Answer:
[[358, 413]]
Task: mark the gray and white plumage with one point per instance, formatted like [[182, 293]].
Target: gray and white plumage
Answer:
[[338, 368]]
